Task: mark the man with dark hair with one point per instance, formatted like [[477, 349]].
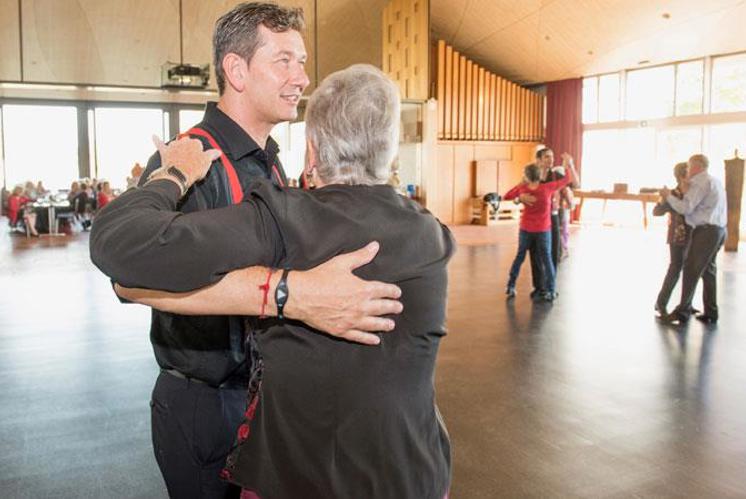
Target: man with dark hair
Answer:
[[704, 208], [199, 397]]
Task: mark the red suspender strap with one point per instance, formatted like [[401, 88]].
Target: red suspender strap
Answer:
[[277, 174], [236, 190]]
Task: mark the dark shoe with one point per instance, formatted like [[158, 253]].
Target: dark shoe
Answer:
[[662, 312], [549, 296], [675, 318], [537, 293], [510, 292], [707, 319]]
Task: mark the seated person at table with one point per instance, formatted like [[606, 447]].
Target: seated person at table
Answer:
[[104, 194], [80, 204], [74, 191], [326, 418], [18, 205], [536, 225]]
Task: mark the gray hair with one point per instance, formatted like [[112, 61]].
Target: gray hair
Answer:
[[701, 160], [352, 120], [237, 31]]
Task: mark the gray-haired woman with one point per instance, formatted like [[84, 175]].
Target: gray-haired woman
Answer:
[[325, 418]]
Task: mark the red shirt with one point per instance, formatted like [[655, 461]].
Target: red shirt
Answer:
[[536, 218], [102, 200], [15, 203]]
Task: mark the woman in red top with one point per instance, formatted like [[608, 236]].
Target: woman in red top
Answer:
[[536, 224], [104, 195], [17, 202]]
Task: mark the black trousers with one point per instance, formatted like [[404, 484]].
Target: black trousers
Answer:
[[676, 264], [537, 269], [700, 263], [193, 429]]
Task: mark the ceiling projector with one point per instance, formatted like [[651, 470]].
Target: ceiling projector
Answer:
[[179, 75]]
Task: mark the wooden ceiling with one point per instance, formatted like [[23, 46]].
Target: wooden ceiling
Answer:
[[534, 41]]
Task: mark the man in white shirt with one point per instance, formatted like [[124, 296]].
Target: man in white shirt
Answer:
[[704, 208]]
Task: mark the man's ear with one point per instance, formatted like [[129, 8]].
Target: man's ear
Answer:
[[312, 159], [236, 71]]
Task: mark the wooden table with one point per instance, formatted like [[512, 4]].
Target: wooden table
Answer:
[[618, 196]]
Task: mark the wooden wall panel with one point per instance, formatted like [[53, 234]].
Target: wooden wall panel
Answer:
[[497, 151], [475, 102], [405, 35], [347, 34], [511, 111], [442, 205], [538, 129], [108, 43], [478, 105], [10, 47], [441, 90], [455, 95], [531, 115], [503, 105], [462, 98], [493, 107], [463, 182], [469, 98], [448, 96], [524, 114], [485, 181], [453, 179], [480, 116]]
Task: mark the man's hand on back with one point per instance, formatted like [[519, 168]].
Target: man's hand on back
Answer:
[[331, 298], [527, 199]]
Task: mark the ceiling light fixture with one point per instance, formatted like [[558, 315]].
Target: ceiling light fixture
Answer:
[[666, 15]]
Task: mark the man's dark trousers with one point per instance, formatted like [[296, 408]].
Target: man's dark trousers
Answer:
[[537, 269], [193, 428], [700, 263]]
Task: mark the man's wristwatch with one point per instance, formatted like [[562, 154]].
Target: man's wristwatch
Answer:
[[172, 172], [282, 293]]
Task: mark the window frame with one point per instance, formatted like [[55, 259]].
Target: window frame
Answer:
[[87, 152]]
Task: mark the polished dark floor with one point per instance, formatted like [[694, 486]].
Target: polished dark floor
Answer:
[[589, 397]]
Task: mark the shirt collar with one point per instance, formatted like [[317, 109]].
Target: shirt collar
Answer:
[[234, 139]]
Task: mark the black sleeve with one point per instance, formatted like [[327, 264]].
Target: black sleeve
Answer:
[[661, 209], [140, 240], [153, 164]]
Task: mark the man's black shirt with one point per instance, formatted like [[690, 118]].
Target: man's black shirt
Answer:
[[210, 348]]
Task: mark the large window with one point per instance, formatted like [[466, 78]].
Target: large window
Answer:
[[675, 145], [689, 87], [664, 120], [590, 100], [729, 84], [601, 98], [650, 93], [608, 97], [123, 138], [188, 118], [41, 143]]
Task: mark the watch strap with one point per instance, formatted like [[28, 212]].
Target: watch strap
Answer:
[[281, 294]]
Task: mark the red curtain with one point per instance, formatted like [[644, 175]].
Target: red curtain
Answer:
[[564, 119]]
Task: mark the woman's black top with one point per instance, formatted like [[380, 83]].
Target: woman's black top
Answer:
[[331, 419]]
